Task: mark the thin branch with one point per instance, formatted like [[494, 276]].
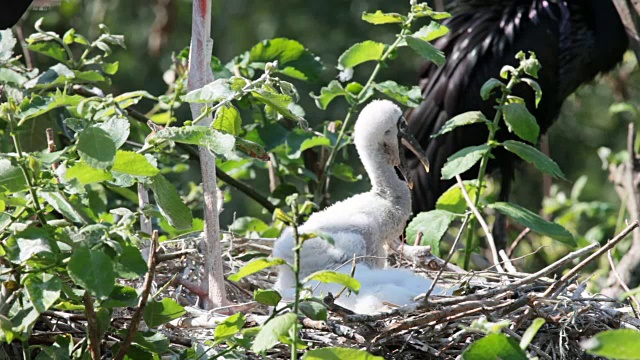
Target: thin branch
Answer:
[[92, 326], [137, 315], [622, 283], [573, 272], [446, 261], [483, 224]]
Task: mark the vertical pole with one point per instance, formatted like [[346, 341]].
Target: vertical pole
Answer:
[[199, 75]]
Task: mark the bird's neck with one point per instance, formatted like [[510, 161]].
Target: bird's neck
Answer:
[[384, 179]]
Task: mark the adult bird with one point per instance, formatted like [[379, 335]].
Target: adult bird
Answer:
[[574, 40], [361, 225], [12, 11]]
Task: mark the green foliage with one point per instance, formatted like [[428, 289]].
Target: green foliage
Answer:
[[614, 344], [494, 346]]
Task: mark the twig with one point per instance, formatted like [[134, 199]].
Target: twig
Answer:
[[171, 256], [573, 272], [352, 273], [338, 329], [622, 283], [483, 224], [446, 261], [137, 315], [92, 326], [517, 241]]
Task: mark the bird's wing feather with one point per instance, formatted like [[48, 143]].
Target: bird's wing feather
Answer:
[[478, 45]]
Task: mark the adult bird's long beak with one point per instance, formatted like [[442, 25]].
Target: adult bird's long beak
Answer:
[[410, 142]]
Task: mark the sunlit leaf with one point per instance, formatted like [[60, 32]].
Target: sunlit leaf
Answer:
[[534, 222], [426, 50], [338, 353], [229, 327], [494, 346], [463, 160], [533, 156], [254, 266], [614, 344], [96, 148], [521, 122], [433, 225], [328, 93], [333, 277], [272, 331], [470, 117], [132, 163], [171, 205], [379, 17], [161, 312], [360, 53], [407, 96]]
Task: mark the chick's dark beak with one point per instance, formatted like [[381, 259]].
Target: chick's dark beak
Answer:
[[410, 142]]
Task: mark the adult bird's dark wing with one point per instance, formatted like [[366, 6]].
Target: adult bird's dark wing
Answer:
[[574, 41], [12, 11]]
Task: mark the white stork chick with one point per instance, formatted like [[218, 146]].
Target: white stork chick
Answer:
[[362, 224]]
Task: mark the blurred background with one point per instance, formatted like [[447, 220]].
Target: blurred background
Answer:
[[154, 29]]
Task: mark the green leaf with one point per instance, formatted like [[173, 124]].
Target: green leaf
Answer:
[[453, 200], [154, 342], [360, 53], [96, 148], [328, 93], [531, 332], [272, 331], [130, 264], [463, 160], [406, 96], [470, 117], [11, 177], [378, 18], [426, 50], [161, 312], [431, 32], [87, 174], [254, 266], [494, 346], [49, 48], [281, 103], [489, 86], [267, 297], [227, 119], [215, 141], [614, 344], [36, 105], [12, 77], [521, 122], [171, 205], [535, 222], [63, 206], [536, 87], [118, 129], [533, 156], [93, 271], [216, 91], [229, 327], [111, 68], [338, 353], [344, 172], [333, 277], [313, 310], [433, 225], [132, 163], [43, 290], [121, 296], [299, 140], [25, 244], [293, 59]]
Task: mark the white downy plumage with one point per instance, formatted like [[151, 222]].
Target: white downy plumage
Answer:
[[361, 225]]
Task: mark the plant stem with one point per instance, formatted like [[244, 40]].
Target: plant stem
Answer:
[[493, 129], [320, 189], [25, 171], [296, 272]]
